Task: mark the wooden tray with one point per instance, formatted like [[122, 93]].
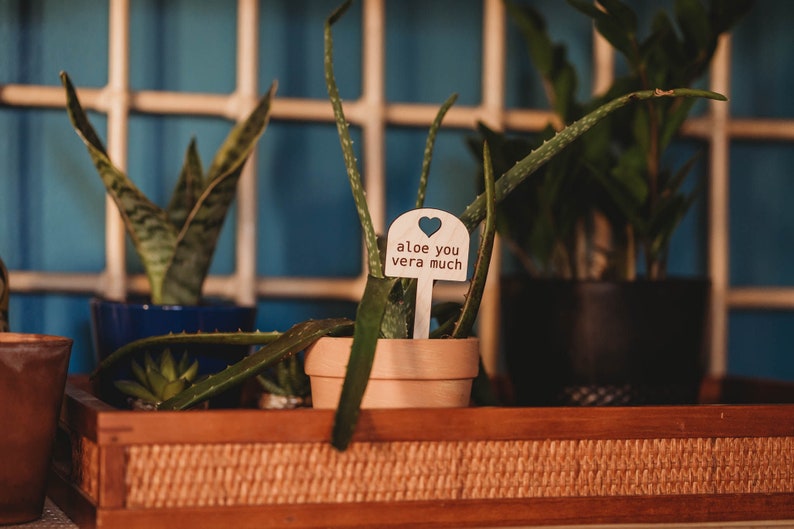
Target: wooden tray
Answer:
[[440, 468]]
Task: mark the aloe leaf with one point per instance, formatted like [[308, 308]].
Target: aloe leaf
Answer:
[[138, 372], [167, 365], [190, 373], [365, 338], [188, 187], [429, 144], [353, 175], [135, 390], [219, 338], [475, 212], [195, 244], [152, 234], [148, 362], [294, 340], [156, 381], [173, 388], [477, 285]]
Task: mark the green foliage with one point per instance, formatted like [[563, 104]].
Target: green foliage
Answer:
[[159, 380], [176, 244], [286, 379], [383, 296], [589, 211], [386, 304]]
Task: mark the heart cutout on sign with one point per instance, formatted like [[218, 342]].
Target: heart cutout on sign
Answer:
[[430, 225]]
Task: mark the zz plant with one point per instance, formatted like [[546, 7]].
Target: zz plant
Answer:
[[386, 306], [176, 244], [614, 195]]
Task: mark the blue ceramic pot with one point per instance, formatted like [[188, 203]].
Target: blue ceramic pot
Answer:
[[115, 324]]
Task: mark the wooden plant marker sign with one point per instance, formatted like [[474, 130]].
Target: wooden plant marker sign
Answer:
[[427, 244]]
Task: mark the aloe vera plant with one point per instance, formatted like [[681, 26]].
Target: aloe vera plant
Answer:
[[176, 244], [161, 379], [385, 308]]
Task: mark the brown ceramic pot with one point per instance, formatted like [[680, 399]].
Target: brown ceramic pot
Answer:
[[33, 370]]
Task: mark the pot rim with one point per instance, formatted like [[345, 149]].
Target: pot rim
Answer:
[[396, 358], [26, 338]]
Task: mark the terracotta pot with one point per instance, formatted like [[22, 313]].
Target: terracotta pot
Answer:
[[33, 370], [405, 374]]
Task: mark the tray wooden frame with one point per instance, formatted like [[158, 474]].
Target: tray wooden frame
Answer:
[[678, 464]]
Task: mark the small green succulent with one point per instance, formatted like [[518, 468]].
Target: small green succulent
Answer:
[[159, 380]]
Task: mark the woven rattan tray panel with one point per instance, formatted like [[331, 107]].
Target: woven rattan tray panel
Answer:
[[246, 468]]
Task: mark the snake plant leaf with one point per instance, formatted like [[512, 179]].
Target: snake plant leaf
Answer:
[[195, 244], [294, 340], [176, 247], [365, 339], [153, 236], [188, 187]]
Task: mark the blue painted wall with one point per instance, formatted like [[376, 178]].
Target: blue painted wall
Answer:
[[52, 206]]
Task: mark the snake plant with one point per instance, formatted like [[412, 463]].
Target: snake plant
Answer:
[[176, 243], [385, 308]]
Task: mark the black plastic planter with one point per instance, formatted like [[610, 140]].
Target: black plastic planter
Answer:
[[605, 343]]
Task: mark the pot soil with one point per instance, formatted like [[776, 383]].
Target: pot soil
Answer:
[[33, 370], [405, 373], [605, 343]]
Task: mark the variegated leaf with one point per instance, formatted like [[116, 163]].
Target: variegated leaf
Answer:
[[196, 241]]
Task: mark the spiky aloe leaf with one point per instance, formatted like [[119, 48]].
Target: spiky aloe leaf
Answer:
[[353, 175], [153, 236], [209, 338], [365, 338], [475, 212], [195, 244], [471, 306], [294, 340], [429, 144]]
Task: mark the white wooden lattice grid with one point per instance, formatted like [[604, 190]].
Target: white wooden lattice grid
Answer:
[[372, 113]]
